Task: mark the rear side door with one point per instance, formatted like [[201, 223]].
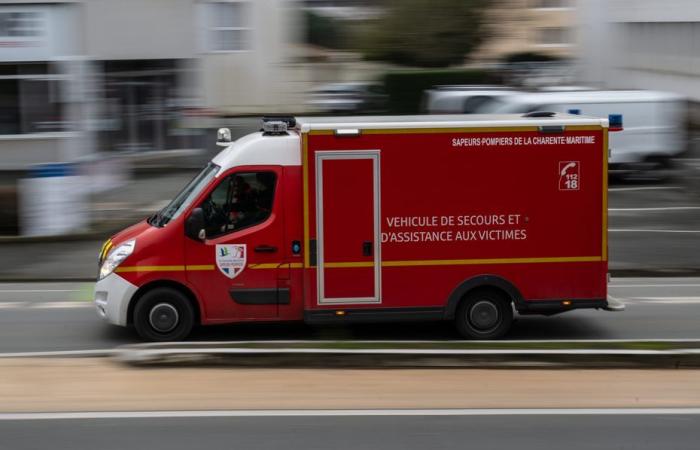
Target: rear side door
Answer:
[[347, 215]]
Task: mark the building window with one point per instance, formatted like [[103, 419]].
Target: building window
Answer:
[[21, 24], [228, 26], [30, 99], [554, 36]]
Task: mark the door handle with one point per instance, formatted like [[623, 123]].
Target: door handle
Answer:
[[367, 248], [265, 249]]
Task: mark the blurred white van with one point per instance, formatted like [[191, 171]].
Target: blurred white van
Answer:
[[461, 99], [654, 123]]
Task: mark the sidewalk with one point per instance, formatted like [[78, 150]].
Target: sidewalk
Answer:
[[98, 384]]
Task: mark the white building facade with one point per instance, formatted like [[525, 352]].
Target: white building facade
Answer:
[[646, 44]]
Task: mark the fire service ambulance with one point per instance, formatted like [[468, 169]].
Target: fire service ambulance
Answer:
[[367, 219]]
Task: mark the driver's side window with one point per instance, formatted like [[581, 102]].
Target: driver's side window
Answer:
[[239, 201]]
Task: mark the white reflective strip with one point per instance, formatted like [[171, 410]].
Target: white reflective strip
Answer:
[[641, 230], [643, 188], [663, 208], [347, 413]]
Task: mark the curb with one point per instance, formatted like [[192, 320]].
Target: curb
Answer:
[[150, 355]]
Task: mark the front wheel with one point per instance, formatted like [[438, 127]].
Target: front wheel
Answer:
[[163, 314], [484, 314]]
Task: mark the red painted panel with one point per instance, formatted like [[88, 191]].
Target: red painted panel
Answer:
[[485, 196], [348, 222]]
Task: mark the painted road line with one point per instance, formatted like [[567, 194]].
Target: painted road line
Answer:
[[13, 305], [656, 209], [347, 413], [610, 286], [643, 188], [642, 230], [669, 300], [60, 305], [44, 305], [35, 291], [59, 353]]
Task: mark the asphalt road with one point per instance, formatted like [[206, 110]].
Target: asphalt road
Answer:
[[483, 432], [38, 317]]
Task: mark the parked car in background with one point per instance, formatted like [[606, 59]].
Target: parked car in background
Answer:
[[461, 99], [350, 97], [654, 124]]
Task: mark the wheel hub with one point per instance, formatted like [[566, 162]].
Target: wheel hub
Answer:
[[163, 317], [484, 315]]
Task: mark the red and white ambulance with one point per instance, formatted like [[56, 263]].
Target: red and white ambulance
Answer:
[[358, 219]]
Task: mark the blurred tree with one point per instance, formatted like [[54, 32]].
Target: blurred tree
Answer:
[[324, 31], [426, 33]]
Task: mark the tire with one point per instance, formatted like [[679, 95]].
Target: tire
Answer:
[[163, 314], [484, 314]]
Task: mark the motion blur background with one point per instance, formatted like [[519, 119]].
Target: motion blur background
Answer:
[[107, 107]]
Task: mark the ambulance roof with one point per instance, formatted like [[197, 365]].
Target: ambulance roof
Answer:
[[305, 124]]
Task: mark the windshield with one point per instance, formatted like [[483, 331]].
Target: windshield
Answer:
[[183, 200]]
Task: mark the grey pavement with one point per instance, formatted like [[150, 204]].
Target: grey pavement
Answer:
[[37, 317], [524, 432]]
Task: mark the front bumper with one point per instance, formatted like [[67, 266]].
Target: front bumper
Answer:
[[112, 296]]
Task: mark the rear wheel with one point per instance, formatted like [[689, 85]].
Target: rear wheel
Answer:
[[163, 314], [484, 314]]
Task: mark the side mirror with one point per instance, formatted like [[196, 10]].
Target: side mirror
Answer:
[[223, 137], [194, 225]]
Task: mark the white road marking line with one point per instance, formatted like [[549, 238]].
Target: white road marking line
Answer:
[[669, 300], [96, 352], [12, 305], [59, 305], [44, 305], [641, 230], [643, 188], [15, 291], [346, 413], [656, 209], [650, 285]]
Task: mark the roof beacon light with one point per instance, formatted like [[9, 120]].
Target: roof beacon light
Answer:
[[615, 122], [272, 127], [575, 111]]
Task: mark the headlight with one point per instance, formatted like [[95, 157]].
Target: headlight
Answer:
[[116, 257]]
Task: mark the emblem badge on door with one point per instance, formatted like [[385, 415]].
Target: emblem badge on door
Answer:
[[231, 259]]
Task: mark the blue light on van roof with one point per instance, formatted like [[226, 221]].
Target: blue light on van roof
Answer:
[[615, 122], [575, 111]]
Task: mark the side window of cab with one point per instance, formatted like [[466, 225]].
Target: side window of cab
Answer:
[[240, 200]]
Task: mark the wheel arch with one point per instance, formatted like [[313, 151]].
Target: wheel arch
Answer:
[[479, 282], [167, 284]]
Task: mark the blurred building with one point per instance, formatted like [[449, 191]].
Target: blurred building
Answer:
[[646, 44], [537, 26], [78, 77]]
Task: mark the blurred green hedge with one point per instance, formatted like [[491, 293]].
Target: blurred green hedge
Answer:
[[405, 88]]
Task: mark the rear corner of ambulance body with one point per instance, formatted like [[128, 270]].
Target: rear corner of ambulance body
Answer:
[[164, 256]]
